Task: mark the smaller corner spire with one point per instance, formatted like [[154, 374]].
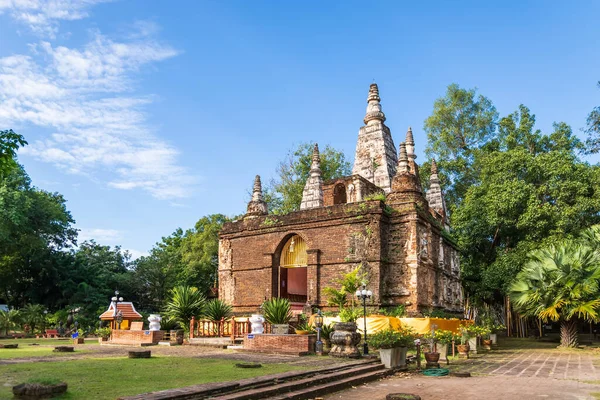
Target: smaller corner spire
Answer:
[[374, 112], [409, 136], [257, 205], [434, 168], [410, 144], [402, 160], [316, 160]]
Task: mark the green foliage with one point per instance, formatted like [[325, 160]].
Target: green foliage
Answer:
[[217, 309], [103, 332], [437, 313], [284, 193], [446, 337], [390, 338], [277, 310], [335, 297], [375, 196], [9, 320], [186, 302], [397, 311], [560, 282], [326, 331], [303, 325], [168, 323], [349, 283], [350, 314], [33, 315], [9, 144]]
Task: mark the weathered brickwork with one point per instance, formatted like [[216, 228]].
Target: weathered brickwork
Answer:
[[287, 344], [402, 244]]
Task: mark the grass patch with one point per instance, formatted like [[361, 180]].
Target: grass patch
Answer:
[[108, 378], [46, 342], [45, 381], [34, 351]]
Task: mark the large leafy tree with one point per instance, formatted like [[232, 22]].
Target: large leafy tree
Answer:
[[461, 124], [284, 193], [560, 283], [9, 144]]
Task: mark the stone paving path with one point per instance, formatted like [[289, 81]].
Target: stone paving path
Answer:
[[518, 369]]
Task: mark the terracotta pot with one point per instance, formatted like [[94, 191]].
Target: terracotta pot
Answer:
[[487, 344], [463, 349], [432, 358], [301, 332]]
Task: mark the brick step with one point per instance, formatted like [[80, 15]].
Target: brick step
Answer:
[[278, 389], [331, 387], [208, 390]]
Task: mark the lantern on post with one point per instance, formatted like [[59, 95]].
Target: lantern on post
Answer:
[[319, 325]]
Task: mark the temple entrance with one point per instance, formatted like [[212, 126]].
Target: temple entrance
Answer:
[[293, 265]]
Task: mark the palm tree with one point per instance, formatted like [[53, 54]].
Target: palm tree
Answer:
[[186, 302], [33, 315], [560, 283], [9, 320]]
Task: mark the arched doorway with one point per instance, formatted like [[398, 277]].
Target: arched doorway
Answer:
[[339, 194], [293, 270]]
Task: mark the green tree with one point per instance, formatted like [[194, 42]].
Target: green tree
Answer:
[[560, 283], [9, 320], [593, 130], [185, 302], [461, 124], [9, 144], [33, 315], [284, 194]]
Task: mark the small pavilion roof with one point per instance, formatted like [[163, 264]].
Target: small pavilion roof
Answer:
[[126, 308]]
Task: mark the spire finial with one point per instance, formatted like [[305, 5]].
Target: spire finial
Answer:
[[374, 112], [434, 169], [409, 136], [316, 160], [257, 190]]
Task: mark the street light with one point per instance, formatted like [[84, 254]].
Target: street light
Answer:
[[319, 324], [118, 315], [363, 295]]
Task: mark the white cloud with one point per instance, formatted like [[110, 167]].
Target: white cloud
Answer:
[[135, 254], [86, 96], [43, 16], [101, 236]]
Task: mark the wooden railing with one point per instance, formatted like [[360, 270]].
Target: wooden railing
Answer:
[[234, 328]]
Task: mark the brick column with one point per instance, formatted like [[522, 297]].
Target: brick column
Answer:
[[312, 276]]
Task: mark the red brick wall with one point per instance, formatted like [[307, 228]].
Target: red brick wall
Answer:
[[292, 344], [136, 337]]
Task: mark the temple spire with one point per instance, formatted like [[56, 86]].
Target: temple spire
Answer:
[[434, 196], [403, 160], [376, 157], [312, 195], [374, 112], [257, 205], [410, 144]]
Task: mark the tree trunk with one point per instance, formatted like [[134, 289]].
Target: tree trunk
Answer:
[[568, 333]]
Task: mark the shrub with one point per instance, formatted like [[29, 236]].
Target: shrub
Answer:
[[350, 314], [326, 331], [277, 311], [103, 332], [390, 338], [216, 310], [186, 302]]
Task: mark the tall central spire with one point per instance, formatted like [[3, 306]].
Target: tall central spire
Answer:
[[376, 157], [374, 112]]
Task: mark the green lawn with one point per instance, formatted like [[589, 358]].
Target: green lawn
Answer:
[[108, 378], [34, 351]]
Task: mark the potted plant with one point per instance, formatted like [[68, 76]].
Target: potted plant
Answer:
[[392, 346], [278, 312], [495, 328], [485, 337], [431, 356], [79, 338], [463, 347], [304, 328], [103, 334], [444, 339], [326, 331], [344, 339]]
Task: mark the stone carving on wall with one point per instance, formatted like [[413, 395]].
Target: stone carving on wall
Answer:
[[351, 193], [225, 261]]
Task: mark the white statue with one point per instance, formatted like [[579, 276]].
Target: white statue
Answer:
[[154, 320], [257, 321]]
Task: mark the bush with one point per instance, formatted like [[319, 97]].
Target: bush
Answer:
[[350, 314], [217, 310], [326, 331], [277, 311], [390, 338], [103, 332], [186, 302]]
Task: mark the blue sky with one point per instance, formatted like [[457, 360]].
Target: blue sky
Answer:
[[147, 115]]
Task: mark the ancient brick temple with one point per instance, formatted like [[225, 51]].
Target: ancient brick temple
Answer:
[[401, 244]]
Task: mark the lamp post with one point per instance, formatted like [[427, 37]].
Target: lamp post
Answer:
[[364, 294], [116, 314], [319, 324]]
